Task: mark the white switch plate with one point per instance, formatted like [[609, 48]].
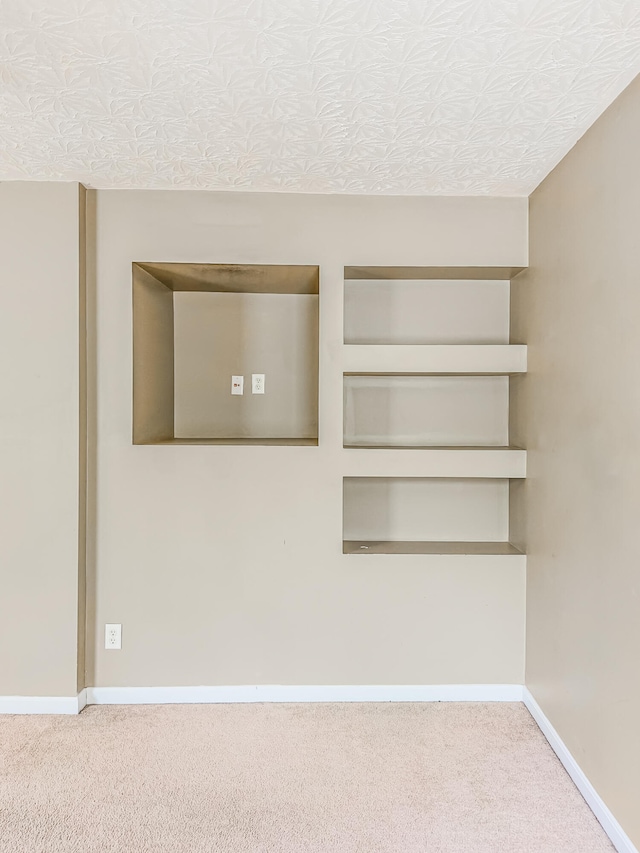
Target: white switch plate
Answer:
[[113, 636], [257, 383], [237, 385]]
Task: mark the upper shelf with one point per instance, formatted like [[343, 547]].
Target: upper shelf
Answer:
[[426, 273], [468, 359]]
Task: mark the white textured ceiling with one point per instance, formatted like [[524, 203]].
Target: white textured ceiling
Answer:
[[362, 96]]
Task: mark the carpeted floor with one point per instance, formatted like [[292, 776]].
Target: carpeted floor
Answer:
[[440, 778]]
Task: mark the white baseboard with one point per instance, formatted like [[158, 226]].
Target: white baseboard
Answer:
[[43, 704], [616, 833], [305, 693], [260, 693]]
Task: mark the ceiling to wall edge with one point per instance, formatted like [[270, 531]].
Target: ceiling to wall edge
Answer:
[[611, 95]]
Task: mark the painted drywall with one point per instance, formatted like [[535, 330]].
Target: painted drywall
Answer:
[[426, 410], [426, 312], [224, 564], [578, 413], [220, 335], [153, 362], [43, 449], [411, 509]]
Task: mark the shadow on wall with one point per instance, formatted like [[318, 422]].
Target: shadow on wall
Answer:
[[86, 677]]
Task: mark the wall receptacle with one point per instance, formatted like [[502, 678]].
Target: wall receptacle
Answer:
[[237, 384], [113, 636], [257, 383]]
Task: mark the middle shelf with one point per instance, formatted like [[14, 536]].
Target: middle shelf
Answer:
[[487, 462], [469, 359]]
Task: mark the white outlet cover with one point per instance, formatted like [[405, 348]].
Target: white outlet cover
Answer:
[[237, 385], [257, 383], [113, 636]]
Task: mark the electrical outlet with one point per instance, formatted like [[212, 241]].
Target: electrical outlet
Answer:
[[113, 636], [257, 383], [237, 385]]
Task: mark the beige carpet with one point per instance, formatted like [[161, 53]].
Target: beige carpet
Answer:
[[294, 778]]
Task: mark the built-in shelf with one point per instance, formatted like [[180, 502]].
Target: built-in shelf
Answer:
[[437, 359], [443, 548], [426, 361], [431, 273], [486, 462]]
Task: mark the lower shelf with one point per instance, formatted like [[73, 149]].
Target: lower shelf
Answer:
[[463, 548]]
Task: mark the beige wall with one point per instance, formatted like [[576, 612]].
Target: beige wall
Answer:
[[578, 413], [420, 410], [153, 362], [224, 564], [426, 312], [42, 427], [218, 335], [413, 509]]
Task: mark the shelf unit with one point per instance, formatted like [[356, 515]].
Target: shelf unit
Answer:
[[427, 362]]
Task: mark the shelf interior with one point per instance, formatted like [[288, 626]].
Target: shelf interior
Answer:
[[426, 411], [197, 325], [425, 312], [464, 509]]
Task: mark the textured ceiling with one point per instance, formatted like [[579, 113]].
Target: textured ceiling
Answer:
[[362, 96]]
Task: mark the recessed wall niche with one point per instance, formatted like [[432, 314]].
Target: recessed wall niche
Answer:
[[197, 325], [427, 305], [418, 515]]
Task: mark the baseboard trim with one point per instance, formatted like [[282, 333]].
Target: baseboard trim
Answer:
[[260, 693], [616, 833], [43, 704], [305, 693]]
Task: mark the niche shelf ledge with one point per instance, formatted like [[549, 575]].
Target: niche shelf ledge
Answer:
[[470, 549], [240, 442]]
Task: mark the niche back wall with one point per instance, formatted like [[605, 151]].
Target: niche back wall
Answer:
[[224, 564]]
